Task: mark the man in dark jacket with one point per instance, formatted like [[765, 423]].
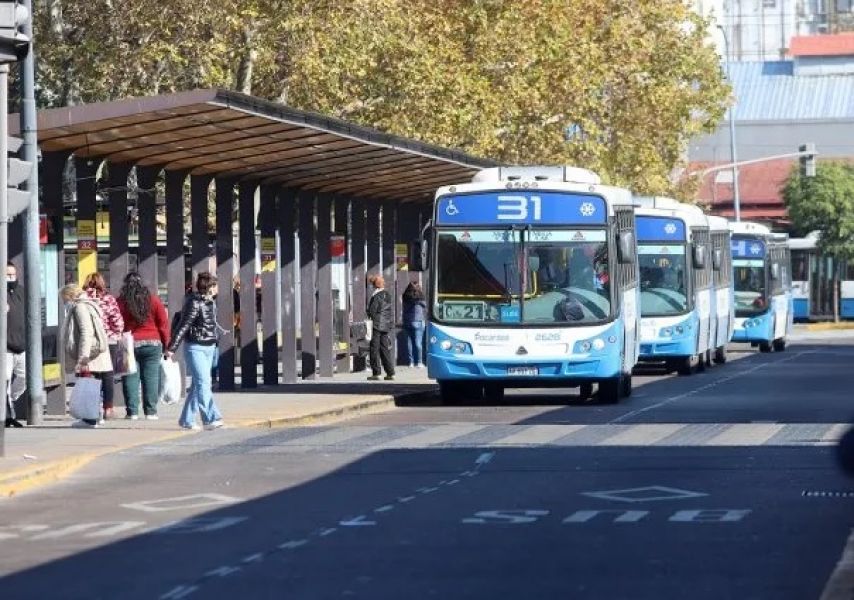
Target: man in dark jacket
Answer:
[[381, 312], [16, 344]]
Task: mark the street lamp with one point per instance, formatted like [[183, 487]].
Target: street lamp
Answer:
[[733, 156]]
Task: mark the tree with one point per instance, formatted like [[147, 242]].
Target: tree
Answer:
[[616, 87], [825, 203]]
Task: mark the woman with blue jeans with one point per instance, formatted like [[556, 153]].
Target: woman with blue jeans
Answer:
[[414, 317], [199, 328]]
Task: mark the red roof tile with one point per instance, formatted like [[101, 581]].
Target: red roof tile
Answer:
[[839, 44]]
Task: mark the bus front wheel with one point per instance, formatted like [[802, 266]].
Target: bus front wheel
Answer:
[[456, 392], [764, 347], [780, 345], [720, 355], [611, 390]]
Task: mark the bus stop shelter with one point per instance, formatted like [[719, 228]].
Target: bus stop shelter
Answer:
[[236, 178]]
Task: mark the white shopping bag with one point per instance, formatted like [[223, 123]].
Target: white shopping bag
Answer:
[[170, 382], [125, 358], [86, 399]]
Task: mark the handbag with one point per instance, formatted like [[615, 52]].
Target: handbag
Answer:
[[125, 358], [369, 329], [86, 399], [170, 382]]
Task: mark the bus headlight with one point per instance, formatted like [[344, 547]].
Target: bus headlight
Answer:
[[679, 330], [667, 332], [455, 346], [585, 346], [446, 345], [598, 344]]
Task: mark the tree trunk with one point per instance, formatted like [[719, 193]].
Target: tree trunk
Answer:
[[247, 60]]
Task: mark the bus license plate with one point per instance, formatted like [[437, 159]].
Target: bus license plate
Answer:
[[523, 371]]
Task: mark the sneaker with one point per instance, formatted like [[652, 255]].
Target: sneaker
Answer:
[[214, 425], [389, 378], [193, 427], [132, 417], [374, 378], [83, 425], [152, 418], [419, 366]]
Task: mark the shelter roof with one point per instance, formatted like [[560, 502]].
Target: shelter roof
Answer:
[[227, 134]]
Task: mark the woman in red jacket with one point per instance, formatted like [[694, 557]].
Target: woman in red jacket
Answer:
[[145, 317]]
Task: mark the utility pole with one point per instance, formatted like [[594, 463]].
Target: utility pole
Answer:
[[32, 259], [732, 150], [14, 45]]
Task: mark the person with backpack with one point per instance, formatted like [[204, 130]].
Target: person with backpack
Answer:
[[87, 348]]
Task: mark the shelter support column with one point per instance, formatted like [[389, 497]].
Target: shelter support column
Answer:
[[308, 270], [287, 220], [372, 234], [326, 348], [53, 166], [248, 310], [146, 179], [357, 274], [225, 276], [341, 311], [199, 236], [407, 231], [389, 267], [175, 267], [117, 178], [87, 244], [269, 250]]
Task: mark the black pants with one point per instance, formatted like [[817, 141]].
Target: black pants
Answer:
[[380, 351]]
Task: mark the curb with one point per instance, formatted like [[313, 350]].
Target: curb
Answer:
[[27, 479], [842, 325]]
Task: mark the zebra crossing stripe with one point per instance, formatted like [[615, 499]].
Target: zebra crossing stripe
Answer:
[[430, 437], [745, 434], [832, 435], [642, 435], [536, 435]]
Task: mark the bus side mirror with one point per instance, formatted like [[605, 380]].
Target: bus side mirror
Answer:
[[699, 257], [626, 247], [419, 255], [775, 271], [717, 260]]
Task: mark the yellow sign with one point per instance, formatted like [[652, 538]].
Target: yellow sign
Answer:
[[268, 266], [87, 263], [51, 372], [268, 245], [85, 229], [401, 250]]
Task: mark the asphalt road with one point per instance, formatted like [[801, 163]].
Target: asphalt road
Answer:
[[718, 485]]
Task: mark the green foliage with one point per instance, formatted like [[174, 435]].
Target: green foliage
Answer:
[[824, 203], [501, 79]]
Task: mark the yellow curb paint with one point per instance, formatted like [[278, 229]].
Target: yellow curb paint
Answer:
[[829, 326], [38, 475]]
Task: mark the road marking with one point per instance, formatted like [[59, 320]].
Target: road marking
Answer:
[[840, 586], [430, 437], [253, 558], [182, 591], [360, 521], [327, 531], [426, 490], [536, 435], [650, 493], [222, 571], [292, 544], [505, 517], [745, 434], [104, 529], [717, 515], [406, 499], [182, 502], [484, 458], [834, 434], [453, 482], [337, 435], [197, 525], [642, 435], [385, 508], [624, 516]]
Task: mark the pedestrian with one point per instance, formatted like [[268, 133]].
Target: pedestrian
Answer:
[[198, 327], [85, 339], [96, 289], [414, 318], [146, 319], [16, 344], [381, 314]]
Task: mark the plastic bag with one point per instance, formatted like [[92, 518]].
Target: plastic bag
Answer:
[[86, 399], [125, 358], [170, 382]]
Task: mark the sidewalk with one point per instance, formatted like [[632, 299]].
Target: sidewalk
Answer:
[[45, 453]]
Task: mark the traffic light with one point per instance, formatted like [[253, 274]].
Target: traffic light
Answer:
[[19, 171], [14, 43], [807, 160]]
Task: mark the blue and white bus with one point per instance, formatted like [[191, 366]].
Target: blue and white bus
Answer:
[[763, 286], [723, 298], [813, 280], [533, 283], [678, 325]]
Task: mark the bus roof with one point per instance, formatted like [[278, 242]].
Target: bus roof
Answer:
[[749, 228], [562, 173], [804, 243], [717, 223], [662, 205]]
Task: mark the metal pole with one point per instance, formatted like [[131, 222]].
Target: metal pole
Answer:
[[732, 150], [4, 239], [32, 258]]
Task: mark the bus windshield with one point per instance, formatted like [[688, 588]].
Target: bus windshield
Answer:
[[750, 296], [501, 277], [663, 279]]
